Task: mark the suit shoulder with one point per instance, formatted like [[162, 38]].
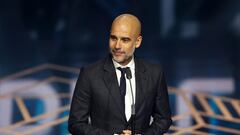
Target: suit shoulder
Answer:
[[152, 66], [154, 70], [94, 67]]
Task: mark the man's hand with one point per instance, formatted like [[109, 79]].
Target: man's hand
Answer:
[[126, 132]]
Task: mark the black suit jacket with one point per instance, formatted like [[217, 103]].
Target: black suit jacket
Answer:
[[97, 96]]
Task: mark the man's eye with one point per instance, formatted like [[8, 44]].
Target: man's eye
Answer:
[[113, 38], [126, 40]]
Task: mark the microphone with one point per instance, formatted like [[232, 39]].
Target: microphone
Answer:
[[128, 73], [129, 76]]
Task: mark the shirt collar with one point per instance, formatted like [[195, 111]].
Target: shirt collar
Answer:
[[131, 64]]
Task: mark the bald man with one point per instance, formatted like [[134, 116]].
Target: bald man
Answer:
[[103, 95]]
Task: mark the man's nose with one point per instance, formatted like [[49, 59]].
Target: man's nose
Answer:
[[118, 45]]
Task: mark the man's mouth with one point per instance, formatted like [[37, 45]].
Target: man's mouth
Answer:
[[118, 53]]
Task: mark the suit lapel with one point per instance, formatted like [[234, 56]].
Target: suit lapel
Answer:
[[110, 79], [141, 83]]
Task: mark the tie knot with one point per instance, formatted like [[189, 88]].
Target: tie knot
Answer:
[[123, 70]]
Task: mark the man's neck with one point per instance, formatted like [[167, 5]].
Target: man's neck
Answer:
[[129, 63], [126, 62]]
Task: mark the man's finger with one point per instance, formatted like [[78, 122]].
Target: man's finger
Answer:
[[127, 132]]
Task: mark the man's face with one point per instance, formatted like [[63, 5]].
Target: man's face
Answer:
[[122, 42]]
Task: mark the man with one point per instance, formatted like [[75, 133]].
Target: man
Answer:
[[103, 93]]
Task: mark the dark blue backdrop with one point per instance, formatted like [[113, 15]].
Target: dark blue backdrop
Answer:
[[192, 40]]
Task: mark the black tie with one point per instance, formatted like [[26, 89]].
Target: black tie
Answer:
[[122, 81], [123, 84]]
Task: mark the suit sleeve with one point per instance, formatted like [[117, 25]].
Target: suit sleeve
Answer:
[[78, 123], [161, 111]]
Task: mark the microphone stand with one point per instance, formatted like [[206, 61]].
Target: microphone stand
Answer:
[[132, 113], [129, 76]]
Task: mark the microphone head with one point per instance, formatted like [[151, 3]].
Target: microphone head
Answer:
[[128, 73]]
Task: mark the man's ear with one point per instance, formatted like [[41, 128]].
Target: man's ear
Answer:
[[138, 41]]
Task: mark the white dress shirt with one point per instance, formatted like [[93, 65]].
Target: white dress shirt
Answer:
[[128, 96]]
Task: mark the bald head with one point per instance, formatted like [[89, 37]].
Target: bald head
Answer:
[[129, 21], [125, 37]]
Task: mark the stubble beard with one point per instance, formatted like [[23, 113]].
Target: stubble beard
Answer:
[[124, 60]]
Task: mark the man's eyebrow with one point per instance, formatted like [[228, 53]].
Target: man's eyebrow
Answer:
[[126, 38], [113, 36]]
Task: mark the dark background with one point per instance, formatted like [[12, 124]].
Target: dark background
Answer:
[[190, 39]]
